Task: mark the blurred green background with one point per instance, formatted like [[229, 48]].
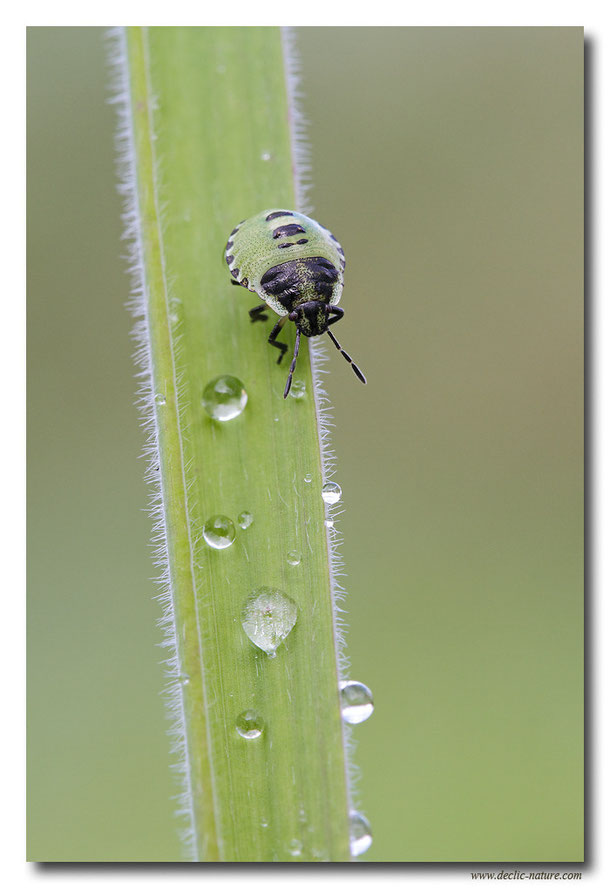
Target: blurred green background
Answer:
[[449, 163]]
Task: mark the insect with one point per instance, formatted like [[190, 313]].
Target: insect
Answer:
[[295, 266]]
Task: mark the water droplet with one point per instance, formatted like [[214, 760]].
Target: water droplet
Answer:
[[184, 679], [244, 519], [331, 493], [329, 522], [308, 478], [264, 823], [356, 702], [268, 616], [224, 398], [219, 532], [160, 398], [293, 558], [265, 156], [295, 848], [360, 835], [249, 724], [298, 389]]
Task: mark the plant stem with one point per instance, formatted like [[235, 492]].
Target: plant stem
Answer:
[[207, 144]]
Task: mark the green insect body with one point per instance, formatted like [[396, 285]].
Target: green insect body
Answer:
[[295, 266]]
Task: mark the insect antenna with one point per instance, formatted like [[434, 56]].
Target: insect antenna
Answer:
[[294, 363], [355, 367]]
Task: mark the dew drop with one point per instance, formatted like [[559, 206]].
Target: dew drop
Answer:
[[295, 848], [184, 679], [267, 617], [331, 493], [249, 724], [293, 558], [298, 389], [245, 519], [160, 398], [356, 702], [308, 478], [265, 156], [224, 398], [360, 835], [219, 532]]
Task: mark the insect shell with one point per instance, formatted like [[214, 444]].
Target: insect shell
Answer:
[[295, 266]]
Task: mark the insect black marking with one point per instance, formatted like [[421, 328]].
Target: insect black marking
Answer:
[[229, 259], [235, 230], [283, 246], [229, 245], [288, 230], [285, 281], [278, 214], [303, 241], [235, 272]]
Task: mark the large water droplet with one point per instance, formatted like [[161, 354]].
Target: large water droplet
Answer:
[[356, 702], [245, 519], [249, 724], [293, 558], [268, 616], [360, 835], [298, 389], [308, 477], [224, 398], [219, 532], [160, 398], [331, 493]]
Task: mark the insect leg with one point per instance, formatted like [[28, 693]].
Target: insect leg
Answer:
[[355, 367], [294, 363], [256, 313], [273, 336]]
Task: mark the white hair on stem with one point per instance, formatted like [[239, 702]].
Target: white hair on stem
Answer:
[[301, 170], [138, 306]]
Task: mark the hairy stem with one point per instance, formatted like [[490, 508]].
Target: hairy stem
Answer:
[[206, 143]]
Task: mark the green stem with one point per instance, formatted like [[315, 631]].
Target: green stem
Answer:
[[207, 127]]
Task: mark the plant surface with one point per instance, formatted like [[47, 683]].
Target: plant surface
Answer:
[[206, 142]]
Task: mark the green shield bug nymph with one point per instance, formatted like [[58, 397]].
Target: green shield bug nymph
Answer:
[[295, 266]]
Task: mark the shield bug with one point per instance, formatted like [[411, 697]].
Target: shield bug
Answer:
[[295, 266]]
